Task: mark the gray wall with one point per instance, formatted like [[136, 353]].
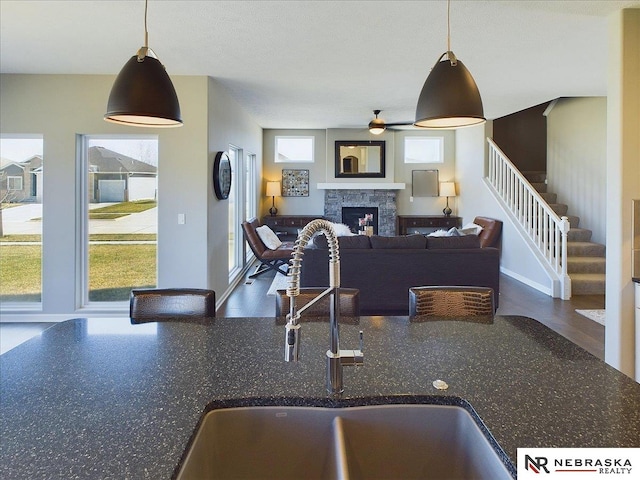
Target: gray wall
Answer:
[[272, 172], [60, 107], [322, 170], [577, 159]]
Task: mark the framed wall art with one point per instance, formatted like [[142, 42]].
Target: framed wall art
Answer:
[[295, 183]]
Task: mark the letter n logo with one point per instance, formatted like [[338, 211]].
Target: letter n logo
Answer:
[[540, 463]]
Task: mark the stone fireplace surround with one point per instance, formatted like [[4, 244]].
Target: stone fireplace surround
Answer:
[[385, 200]]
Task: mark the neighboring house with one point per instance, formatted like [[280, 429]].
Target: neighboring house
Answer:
[[22, 181], [114, 177]]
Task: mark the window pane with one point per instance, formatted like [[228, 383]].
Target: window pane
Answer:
[[21, 219], [423, 150], [294, 149], [122, 216], [233, 158]]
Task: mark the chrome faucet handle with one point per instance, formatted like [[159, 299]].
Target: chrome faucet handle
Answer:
[[292, 342], [352, 357]]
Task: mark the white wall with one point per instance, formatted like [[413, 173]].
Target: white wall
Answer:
[[61, 107], [475, 199], [576, 160], [623, 185], [229, 124]]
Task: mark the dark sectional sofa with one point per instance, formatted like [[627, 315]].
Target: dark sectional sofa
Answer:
[[383, 268]]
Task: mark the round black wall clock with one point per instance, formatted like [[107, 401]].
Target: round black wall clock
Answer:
[[222, 175]]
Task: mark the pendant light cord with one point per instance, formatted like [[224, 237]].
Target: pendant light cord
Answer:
[[146, 33], [448, 26], [145, 51], [450, 54]]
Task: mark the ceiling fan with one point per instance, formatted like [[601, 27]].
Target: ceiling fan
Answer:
[[378, 125]]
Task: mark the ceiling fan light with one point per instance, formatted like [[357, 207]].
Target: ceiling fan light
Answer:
[[143, 96], [449, 98], [377, 126]]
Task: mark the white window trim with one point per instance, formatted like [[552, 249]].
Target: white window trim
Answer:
[[82, 302], [294, 137], [440, 154]]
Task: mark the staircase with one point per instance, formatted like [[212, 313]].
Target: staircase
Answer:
[[585, 259]]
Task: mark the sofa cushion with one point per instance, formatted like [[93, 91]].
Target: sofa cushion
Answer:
[[465, 241], [354, 241], [401, 241]]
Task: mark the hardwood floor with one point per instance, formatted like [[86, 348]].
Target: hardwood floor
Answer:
[[249, 299]]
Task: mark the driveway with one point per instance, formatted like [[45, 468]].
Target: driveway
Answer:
[[26, 219]]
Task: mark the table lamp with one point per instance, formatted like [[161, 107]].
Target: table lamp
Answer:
[[447, 189], [273, 191]]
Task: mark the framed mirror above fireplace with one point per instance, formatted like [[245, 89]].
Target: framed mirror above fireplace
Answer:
[[360, 159]]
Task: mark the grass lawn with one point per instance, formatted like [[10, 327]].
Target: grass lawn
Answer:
[[113, 271], [120, 209]]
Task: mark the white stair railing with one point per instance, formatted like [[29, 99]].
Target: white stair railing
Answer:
[[544, 227]]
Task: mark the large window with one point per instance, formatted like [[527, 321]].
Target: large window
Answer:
[[235, 209], [120, 216], [250, 181], [21, 219]]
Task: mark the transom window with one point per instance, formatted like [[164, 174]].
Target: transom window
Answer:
[[294, 149], [424, 150]]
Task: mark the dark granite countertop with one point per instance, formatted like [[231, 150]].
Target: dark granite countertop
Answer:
[[102, 398]]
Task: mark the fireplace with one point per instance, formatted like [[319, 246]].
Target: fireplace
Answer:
[[384, 202], [351, 217]]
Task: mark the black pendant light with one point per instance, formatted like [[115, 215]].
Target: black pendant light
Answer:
[[450, 96], [143, 95]]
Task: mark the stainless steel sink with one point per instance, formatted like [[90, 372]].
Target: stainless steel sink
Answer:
[[386, 441]]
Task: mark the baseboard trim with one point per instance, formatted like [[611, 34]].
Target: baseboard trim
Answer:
[[526, 281]]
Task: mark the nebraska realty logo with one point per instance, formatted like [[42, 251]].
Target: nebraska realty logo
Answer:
[[580, 463]]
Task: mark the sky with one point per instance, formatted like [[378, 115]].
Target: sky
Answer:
[[19, 149]]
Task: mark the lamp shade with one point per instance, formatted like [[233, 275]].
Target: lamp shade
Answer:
[[449, 97], [273, 189], [143, 95], [447, 189]]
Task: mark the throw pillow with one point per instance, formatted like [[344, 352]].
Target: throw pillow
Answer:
[[471, 229], [467, 241], [268, 237], [453, 232], [342, 230], [410, 241], [438, 233]]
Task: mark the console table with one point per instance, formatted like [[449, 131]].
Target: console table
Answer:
[[287, 226], [407, 223]]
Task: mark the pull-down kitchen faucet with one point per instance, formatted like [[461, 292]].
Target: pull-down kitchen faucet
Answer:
[[336, 358]]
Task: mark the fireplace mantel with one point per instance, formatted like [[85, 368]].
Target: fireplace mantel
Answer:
[[362, 186]]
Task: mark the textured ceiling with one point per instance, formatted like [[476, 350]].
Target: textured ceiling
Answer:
[[325, 64]]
